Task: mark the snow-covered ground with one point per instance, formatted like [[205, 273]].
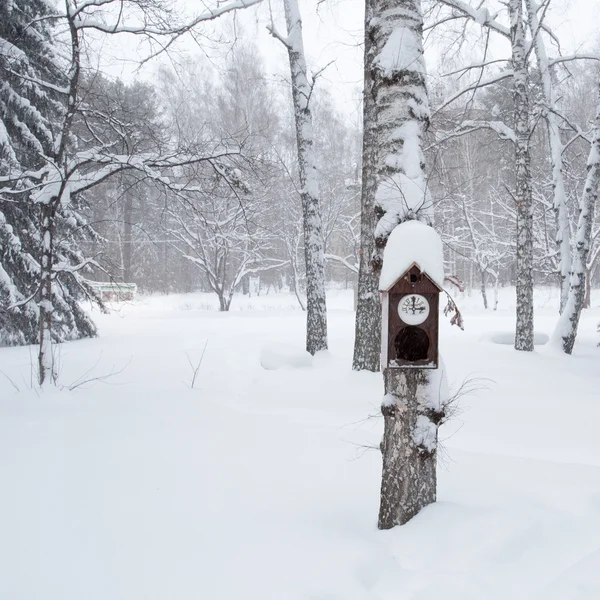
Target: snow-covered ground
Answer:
[[262, 482]]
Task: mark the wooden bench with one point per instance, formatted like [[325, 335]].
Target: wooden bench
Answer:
[[115, 292]]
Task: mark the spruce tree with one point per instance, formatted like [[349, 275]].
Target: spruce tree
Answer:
[[31, 104]]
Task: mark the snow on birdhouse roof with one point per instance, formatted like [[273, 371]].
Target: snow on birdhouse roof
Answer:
[[412, 243]]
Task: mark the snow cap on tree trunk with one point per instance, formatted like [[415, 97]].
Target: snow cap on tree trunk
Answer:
[[403, 51], [412, 242]]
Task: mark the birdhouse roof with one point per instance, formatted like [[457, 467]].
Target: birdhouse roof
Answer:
[[410, 244]]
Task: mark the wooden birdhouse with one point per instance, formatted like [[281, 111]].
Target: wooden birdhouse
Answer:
[[410, 283], [410, 321]]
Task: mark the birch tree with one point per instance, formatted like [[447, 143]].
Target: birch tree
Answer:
[[523, 195], [553, 122], [566, 329], [367, 329], [400, 194], [522, 49], [314, 250]]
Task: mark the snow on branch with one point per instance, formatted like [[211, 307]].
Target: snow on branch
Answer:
[[504, 131], [83, 20], [481, 15], [278, 36], [343, 261], [571, 57], [11, 52], [65, 267], [40, 82]]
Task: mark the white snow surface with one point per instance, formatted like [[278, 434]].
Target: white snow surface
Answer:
[[259, 484], [277, 356], [412, 242]]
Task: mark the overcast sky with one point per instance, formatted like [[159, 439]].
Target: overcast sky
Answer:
[[333, 34]]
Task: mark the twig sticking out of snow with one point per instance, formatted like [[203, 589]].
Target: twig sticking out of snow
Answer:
[[196, 368], [100, 378], [17, 389]]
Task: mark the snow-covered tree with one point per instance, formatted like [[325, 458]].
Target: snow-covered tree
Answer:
[[30, 109], [536, 94], [65, 170], [566, 329], [314, 246], [523, 193], [367, 329], [400, 194], [223, 221]]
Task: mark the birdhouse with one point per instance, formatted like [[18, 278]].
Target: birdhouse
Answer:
[[410, 322], [410, 285]]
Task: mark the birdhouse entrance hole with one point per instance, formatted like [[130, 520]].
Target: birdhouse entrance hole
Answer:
[[412, 344]]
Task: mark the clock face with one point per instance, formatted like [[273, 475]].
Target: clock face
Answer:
[[413, 309]]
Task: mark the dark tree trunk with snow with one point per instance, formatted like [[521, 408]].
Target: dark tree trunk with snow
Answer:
[[408, 481], [523, 195], [566, 329], [224, 301], [367, 338], [316, 309]]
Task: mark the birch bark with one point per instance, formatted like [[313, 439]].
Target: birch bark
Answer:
[[408, 479], [523, 195], [316, 309], [568, 322], [395, 165], [563, 233], [46, 369], [367, 336], [46, 366]]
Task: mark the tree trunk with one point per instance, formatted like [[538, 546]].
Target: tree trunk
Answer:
[[523, 195], [561, 214], [402, 116], [127, 237], [46, 367], [496, 283], [224, 301], [568, 322], [314, 246], [483, 290], [399, 192], [293, 254], [367, 336], [408, 481], [165, 268], [587, 302]]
